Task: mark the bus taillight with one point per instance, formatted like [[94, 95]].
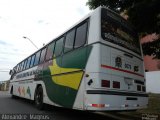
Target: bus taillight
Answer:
[[98, 105], [116, 84], [105, 83]]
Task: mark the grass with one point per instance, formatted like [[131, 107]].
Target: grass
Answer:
[[153, 107], [153, 104]]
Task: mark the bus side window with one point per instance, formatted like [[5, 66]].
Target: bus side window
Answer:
[[14, 69], [37, 58], [59, 47], [21, 68], [18, 68], [81, 35], [50, 51], [43, 53], [69, 41], [25, 63], [32, 60], [28, 62]]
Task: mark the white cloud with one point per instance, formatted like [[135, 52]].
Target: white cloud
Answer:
[[39, 20]]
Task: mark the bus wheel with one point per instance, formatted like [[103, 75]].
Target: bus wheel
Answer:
[[39, 98]]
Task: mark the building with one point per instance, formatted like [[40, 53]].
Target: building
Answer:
[[152, 66], [4, 85]]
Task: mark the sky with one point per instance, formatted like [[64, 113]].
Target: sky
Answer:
[[39, 20]]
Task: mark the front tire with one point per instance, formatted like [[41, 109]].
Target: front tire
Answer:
[[39, 98]]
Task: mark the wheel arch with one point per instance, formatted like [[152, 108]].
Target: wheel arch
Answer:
[[11, 90], [37, 86], [39, 96]]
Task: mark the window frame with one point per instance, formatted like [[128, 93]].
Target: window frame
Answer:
[[39, 51], [31, 61], [44, 56], [25, 63], [59, 38], [73, 39], [22, 64], [28, 62], [86, 21], [49, 58], [82, 23], [19, 68]]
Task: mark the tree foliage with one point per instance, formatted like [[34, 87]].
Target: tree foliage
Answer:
[[143, 14], [152, 48], [116, 5]]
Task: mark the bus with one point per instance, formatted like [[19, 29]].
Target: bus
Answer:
[[95, 65]]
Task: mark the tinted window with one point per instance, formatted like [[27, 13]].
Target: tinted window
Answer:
[[118, 31], [50, 51], [32, 60], [59, 47], [20, 65], [21, 68], [25, 63], [81, 34], [28, 63], [69, 41], [17, 67], [37, 58], [43, 53]]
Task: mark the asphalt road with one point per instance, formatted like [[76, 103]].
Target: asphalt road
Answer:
[[20, 106]]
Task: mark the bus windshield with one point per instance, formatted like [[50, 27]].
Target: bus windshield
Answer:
[[118, 31]]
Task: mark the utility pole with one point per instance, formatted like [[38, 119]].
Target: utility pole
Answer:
[[30, 41]]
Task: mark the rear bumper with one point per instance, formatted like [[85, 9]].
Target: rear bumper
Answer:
[[116, 93], [101, 100]]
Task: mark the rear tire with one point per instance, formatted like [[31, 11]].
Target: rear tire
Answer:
[[39, 98]]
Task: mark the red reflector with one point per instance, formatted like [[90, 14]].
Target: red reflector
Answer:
[[116, 84], [105, 83], [98, 105]]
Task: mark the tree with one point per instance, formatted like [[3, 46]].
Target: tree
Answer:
[[152, 48], [116, 5], [143, 14]]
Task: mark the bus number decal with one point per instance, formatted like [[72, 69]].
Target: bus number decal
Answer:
[[128, 66]]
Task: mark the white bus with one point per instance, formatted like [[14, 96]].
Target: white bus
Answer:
[[96, 65]]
